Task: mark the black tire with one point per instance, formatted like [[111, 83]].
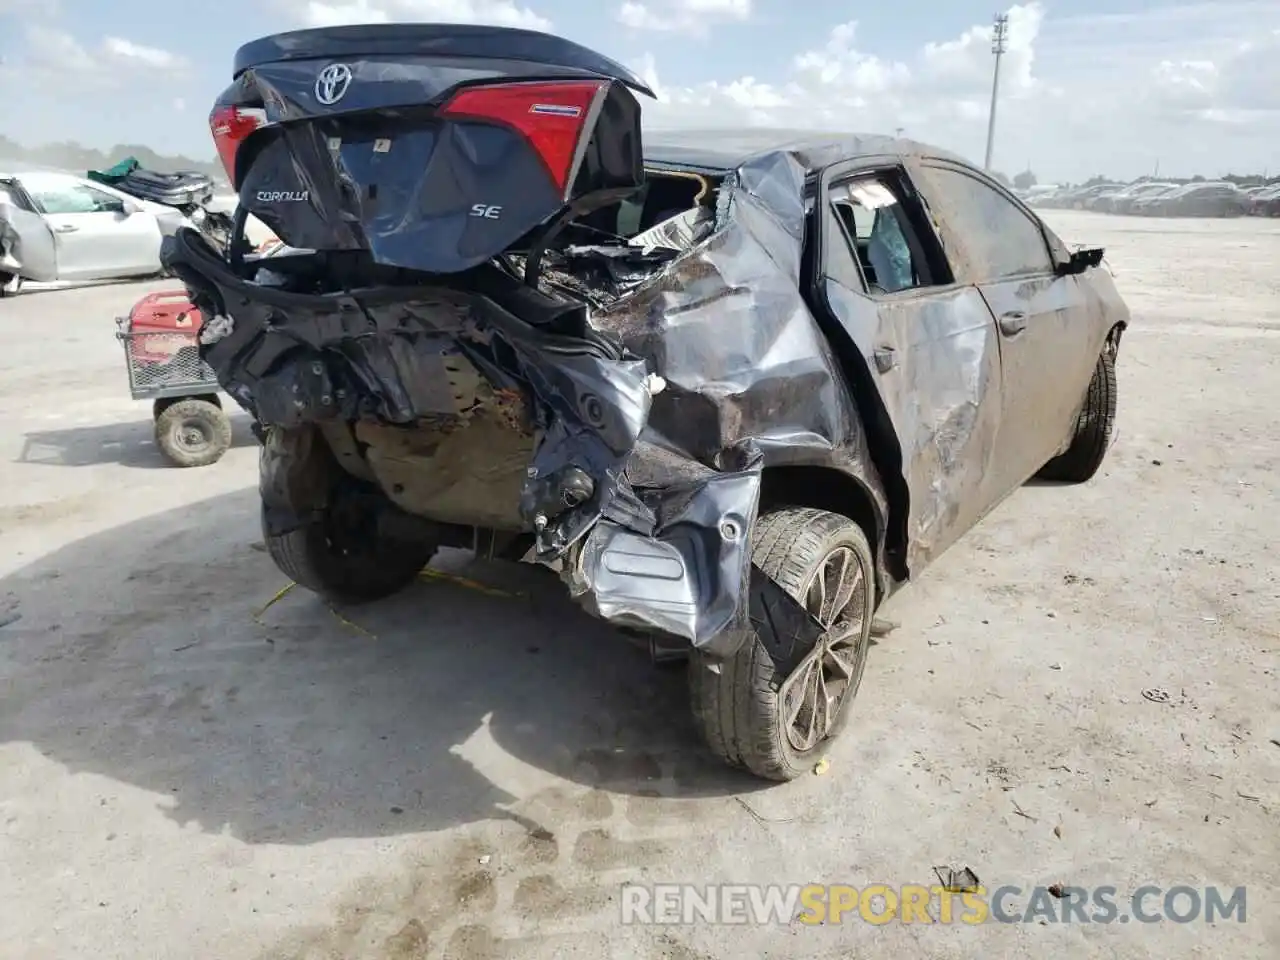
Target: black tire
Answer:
[[193, 433], [367, 568], [1093, 429], [738, 702], [10, 284]]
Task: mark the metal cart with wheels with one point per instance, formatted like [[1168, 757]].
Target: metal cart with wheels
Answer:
[[161, 347]]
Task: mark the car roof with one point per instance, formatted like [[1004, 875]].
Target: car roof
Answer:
[[719, 150]]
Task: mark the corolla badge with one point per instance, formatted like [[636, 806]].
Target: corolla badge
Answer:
[[331, 85]]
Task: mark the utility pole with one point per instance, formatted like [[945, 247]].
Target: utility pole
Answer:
[[999, 37]]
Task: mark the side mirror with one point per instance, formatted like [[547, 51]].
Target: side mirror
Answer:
[[1082, 259]]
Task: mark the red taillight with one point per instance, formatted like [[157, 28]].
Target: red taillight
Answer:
[[551, 116], [230, 126]]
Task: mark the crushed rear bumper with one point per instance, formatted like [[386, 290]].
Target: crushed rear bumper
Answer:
[[654, 418]]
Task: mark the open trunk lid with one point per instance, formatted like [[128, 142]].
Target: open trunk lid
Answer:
[[432, 147]]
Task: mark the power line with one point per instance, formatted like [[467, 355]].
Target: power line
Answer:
[[999, 41]]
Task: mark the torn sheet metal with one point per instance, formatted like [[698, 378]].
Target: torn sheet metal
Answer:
[[654, 415]]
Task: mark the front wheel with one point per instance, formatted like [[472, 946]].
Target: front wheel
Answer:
[[750, 714], [1093, 428]]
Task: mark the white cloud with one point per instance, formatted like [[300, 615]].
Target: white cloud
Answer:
[[49, 50], [149, 56], [646, 68], [841, 86], [682, 16], [966, 61], [1193, 87], [47, 47], [839, 66], [505, 13]]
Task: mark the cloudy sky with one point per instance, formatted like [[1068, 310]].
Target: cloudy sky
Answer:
[[1088, 86]]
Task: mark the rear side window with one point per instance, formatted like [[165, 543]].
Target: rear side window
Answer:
[[882, 250], [1004, 241]]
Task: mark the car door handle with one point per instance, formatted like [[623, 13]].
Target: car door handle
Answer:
[[1013, 323], [65, 228], [886, 359]]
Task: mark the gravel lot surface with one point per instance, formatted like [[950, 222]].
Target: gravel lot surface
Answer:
[[1083, 692]]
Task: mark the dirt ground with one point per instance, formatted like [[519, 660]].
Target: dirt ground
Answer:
[[455, 773]]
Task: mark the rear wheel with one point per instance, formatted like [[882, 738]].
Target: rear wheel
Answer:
[[343, 553], [750, 714], [193, 433], [1093, 429]]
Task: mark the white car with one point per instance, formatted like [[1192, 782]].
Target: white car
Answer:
[[61, 227]]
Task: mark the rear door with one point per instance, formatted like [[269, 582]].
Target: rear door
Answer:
[[1050, 327], [929, 381], [97, 234]]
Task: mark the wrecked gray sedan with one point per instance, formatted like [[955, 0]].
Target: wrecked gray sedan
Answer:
[[734, 387]]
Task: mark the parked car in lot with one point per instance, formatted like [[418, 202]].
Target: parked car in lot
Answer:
[[1101, 200], [63, 227], [1122, 201], [1081, 198], [1265, 202], [736, 387], [1204, 199]]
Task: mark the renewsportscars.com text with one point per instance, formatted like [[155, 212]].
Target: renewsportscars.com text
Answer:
[[913, 903]]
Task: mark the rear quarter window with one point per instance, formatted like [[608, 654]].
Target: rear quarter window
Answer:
[[1003, 241]]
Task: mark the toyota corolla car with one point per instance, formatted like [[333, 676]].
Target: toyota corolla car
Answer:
[[736, 388]]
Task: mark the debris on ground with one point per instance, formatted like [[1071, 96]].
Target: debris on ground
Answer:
[[1057, 890], [962, 880], [760, 818], [882, 627], [821, 767]]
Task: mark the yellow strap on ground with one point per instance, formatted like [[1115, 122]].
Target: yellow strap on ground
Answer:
[[354, 626], [429, 574], [257, 616], [274, 600]]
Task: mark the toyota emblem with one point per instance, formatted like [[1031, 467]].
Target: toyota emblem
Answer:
[[331, 85]]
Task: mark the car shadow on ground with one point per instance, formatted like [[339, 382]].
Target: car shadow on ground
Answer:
[[128, 444], [143, 655]]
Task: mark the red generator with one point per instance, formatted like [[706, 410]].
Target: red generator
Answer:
[[161, 348]]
